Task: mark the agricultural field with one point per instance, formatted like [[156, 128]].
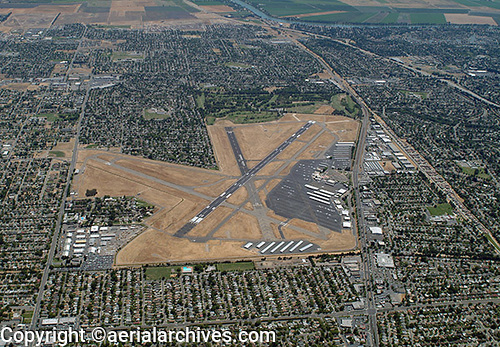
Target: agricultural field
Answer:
[[384, 12]]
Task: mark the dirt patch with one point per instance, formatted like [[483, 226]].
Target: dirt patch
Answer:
[[240, 226], [387, 165], [154, 246], [65, 147]]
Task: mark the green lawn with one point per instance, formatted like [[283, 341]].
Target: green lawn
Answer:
[[156, 273], [440, 209], [252, 117], [51, 117], [27, 316], [57, 154], [142, 203], [240, 266], [200, 100], [238, 65], [149, 114], [423, 95], [121, 55], [427, 18], [479, 172]]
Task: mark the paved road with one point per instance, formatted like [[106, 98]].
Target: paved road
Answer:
[[373, 339], [241, 181], [57, 228]]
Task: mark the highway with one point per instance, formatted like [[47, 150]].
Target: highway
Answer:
[[241, 181]]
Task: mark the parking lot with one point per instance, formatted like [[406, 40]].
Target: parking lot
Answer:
[[292, 199]]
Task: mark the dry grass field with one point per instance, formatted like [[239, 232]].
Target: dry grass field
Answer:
[[154, 246], [256, 141], [240, 226], [218, 8], [463, 18], [180, 192]]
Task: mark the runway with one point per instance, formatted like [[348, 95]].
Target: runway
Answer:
[[249, 173]]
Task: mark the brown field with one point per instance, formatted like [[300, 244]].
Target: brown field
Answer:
[[240, 226], [258, 140], [320, 144], [154, 246], [65, 147], [216, 188], [463, 18], [211, 221], [238, 196], [291, 150], [177, 174], [172, 219], [309, 134], [292, 234], [286, 170], [17, 86], [346, 130], [43, 9], [218, 8], [270, 168], [271, 214], [305, 225], [222, 149], [105, 171], [259, 183], [336, 241], [325, 109], [272, 184]]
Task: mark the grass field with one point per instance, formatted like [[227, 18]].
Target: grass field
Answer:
[[27, 316], [440, 209], [240, 266], [390, 18], [480, 172], [57, 154], [121, 55], [427, 18], [281, 8], [150, 114], [156, 273]]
